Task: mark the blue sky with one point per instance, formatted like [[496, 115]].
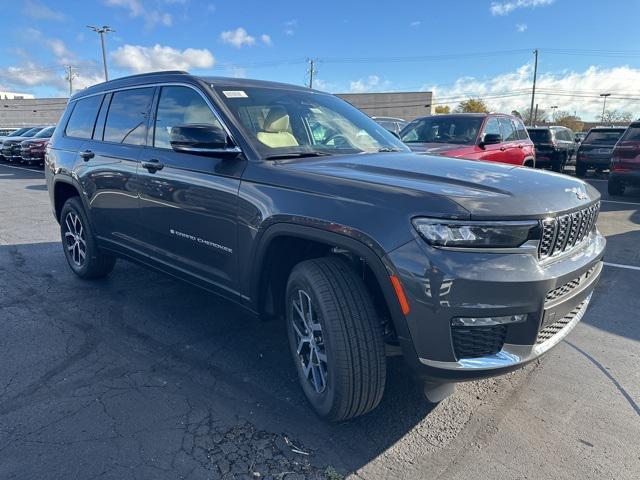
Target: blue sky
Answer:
[[478, 48]]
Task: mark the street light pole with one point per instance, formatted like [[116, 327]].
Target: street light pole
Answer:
[[604, 103], [102, 30], [554, 109]]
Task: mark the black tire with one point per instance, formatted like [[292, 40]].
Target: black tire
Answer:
[[581, 171], [77, 237], [350, 338], [615, 187]]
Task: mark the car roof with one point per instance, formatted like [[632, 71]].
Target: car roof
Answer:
[[177, 76], [607, 129]]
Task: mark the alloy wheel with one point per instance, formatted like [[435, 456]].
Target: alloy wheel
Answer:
[[310, 343], [74, 235]]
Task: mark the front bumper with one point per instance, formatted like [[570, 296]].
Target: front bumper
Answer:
[[441, 285], [630, 177]]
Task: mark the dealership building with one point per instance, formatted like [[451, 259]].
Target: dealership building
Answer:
[[24, 112], [405, 105]]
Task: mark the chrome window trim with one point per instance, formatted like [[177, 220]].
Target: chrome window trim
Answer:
[[164, 84]]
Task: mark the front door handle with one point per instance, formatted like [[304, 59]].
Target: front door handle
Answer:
[[520, 146], [87, 155], [153, 165]]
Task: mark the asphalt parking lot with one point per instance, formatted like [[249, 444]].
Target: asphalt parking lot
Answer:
[[142, 376]]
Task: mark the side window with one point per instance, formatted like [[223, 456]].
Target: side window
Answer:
[[521, 130], [102, 116], [493, 126], [180, 106], [83, 117], [508, 131], [127, 116]]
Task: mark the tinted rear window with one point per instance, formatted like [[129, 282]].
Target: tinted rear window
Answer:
[[83, 117], [540, 136], [632, 134], [127, 117], [606, 137]]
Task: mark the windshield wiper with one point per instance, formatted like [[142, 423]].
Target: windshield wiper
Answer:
[[388, 149], [281, 156]]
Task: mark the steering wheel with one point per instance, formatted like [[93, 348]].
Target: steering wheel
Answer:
[[338, 136]]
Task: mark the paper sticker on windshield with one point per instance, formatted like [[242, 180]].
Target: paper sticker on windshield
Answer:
[[234, 94]]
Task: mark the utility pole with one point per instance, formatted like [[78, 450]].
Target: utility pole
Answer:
[[312, 71], [70, 76], [533, 91], [102, 30], [554, 109], [604, 103], [535, 117]]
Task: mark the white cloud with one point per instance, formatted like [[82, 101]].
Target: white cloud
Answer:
[[521, 27], [238, 38], [148, 59], [60, 50], [266, 39], [39, 11], [416, 23], [571, 91], [136, 8], [370, 84], [505, 8]]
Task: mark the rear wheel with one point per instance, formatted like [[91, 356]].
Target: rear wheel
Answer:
[[615, 187], [335, 338], [80, 247]]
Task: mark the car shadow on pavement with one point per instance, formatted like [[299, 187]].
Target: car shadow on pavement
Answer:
[[150, 349]]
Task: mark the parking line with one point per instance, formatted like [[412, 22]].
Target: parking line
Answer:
[[21, 168], [619, 265], [622, 203]]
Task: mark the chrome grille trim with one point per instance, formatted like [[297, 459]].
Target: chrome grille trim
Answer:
[[562, 233]]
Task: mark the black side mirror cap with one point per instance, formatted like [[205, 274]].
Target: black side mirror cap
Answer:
[[201, 139], [490, 139]]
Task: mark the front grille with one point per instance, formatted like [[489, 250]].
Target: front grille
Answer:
[[472, 342], [550, 330], [568, 287], [562, 233]]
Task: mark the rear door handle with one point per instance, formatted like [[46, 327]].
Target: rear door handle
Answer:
[[520, 146], [153, 165], [502, 149], [87, 155]]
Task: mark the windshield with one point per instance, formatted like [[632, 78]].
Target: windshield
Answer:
[[437, 129], [540, 136], [605, 137], [45, 133], [281, 122], [32, 132], [18, 132]]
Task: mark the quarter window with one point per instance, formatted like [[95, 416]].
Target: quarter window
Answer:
[[180, 106], [127, 117], [83, 117], [521, 131]]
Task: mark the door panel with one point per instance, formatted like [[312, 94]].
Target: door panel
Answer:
[[188, 207]]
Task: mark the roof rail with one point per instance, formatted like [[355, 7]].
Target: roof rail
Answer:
[[150, 74]]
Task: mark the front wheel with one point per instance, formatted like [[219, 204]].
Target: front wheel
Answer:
[[335, 338], [80, 247]]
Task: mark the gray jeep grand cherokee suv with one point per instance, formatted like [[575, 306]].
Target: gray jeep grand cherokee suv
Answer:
[[295, 205]]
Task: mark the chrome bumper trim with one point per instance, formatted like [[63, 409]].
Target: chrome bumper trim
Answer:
[[511, 355]]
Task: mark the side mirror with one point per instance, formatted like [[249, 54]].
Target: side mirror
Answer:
[[577, 140], [201, 139], [394, 133], [490, 139]]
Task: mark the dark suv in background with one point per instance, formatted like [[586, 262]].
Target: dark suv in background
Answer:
[[625, 161], [298, 207], [596, 149], [555, 146], [11, 145], [474, 136]]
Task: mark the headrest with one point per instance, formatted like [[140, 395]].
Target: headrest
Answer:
[[277, 120]]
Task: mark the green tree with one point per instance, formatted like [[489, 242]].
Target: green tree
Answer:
[[473, 105], [443, 109]]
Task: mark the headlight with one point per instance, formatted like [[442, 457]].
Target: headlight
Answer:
[[475, 234]]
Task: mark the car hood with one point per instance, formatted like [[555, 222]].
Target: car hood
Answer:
[[12, 140], [34, 141], [484, 189], [436, 148]]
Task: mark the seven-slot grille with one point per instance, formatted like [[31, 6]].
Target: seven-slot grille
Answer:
[[562, 233]]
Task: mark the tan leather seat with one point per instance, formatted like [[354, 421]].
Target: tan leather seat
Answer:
[[276, 131]]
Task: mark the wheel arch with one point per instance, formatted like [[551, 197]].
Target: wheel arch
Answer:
[[63, 190], [321, 242]]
